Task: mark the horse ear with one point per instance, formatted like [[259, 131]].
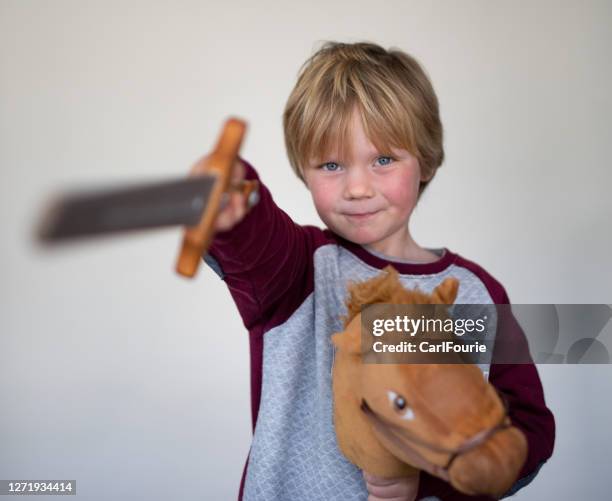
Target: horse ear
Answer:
[[446, 292], [350, 339]]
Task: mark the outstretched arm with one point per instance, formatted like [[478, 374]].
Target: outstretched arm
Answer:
[[263, 256]]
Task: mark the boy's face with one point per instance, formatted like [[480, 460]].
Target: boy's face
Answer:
[[367, 199]]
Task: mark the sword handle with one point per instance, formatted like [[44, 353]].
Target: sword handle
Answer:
[[219, 163], [249, 190]]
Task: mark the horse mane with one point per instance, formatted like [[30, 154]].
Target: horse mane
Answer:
[[383, 288]]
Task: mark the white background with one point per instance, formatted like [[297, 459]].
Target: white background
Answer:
[[116, 372]]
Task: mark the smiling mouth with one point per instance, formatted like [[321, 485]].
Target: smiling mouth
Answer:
[[362, 217]]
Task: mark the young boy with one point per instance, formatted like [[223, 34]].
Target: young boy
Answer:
[[363, 133]]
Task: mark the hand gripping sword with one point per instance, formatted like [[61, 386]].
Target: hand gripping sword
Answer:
[[193, 202]]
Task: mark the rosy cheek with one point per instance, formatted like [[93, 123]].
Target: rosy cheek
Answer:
[[403, 192], [325, 201], [322, 195]]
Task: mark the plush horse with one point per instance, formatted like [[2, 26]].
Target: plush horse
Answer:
[[445, 418]]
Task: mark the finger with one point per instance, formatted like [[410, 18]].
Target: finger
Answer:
[[400, 498], [238, 171], [389, 492], [238, 205], [375, 480], [226, 215], [223, 222], [233, 212], [403, 487]]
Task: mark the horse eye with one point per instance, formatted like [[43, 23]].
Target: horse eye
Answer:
[[398, 401], [400, 404]]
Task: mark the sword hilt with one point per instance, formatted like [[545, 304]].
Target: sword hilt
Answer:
[[249, 190], [197, 238]]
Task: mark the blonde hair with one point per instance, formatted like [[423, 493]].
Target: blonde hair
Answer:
[[393, 94]]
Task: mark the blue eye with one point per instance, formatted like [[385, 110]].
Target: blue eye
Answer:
[[384, 160], [331, 166]]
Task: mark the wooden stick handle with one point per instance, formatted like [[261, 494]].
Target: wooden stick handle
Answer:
[[197, 238]]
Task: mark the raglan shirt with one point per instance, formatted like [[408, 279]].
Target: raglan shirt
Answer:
[[289, 284]]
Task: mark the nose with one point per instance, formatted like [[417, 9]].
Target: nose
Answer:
[[358, 184]]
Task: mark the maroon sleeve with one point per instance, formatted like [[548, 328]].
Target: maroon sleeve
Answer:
[[266, 260], [521, 385], [522, 388]]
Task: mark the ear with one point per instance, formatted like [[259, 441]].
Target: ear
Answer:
[[427, 177], [446, 292], [350, 339]]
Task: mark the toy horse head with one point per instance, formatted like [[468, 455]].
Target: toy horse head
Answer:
[[443, 418]]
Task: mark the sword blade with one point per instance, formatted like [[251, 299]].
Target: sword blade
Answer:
[[153, 205]]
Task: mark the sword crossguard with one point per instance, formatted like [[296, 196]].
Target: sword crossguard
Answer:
[[219, 163]]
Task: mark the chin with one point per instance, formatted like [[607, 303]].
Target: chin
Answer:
[[361, 237]]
